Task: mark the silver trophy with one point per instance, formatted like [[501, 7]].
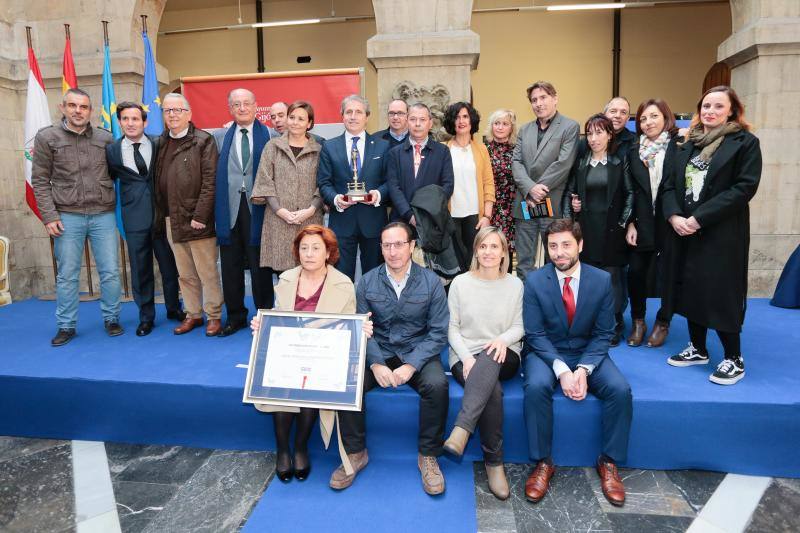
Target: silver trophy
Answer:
[[356, 189]]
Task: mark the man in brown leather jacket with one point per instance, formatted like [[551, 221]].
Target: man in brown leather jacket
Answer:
[[76, 200], [185, 184]]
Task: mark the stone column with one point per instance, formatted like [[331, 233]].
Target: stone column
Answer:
[[764, 55], [31, 270], [423, 51]]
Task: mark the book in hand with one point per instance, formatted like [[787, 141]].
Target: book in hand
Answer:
[[543, 209]]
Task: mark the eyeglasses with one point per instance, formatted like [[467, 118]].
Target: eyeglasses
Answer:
[[397, 113], [396, 245], [174, 111], [242, 105]]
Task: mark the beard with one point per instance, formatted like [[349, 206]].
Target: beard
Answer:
[[571, 263]]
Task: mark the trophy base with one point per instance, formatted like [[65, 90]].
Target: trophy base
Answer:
[[358, 197]]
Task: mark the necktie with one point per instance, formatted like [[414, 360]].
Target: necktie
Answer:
[[569, 301], [417, 158], [355, 158], [139, 160], [245, 148]]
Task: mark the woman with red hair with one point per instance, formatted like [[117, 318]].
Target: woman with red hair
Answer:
[[313, 286]]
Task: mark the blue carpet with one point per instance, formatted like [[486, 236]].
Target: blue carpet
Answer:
[[187, 390], [386, 496]]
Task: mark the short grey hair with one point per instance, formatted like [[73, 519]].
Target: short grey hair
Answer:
[[608, 104], [177, 95], [248, 91], [355, 98], [78, 92], [393, 100], [420, 105]]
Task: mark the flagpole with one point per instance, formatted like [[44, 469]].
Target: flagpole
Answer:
[[122, 255], [144, 23], [66, 30], [52, 243]]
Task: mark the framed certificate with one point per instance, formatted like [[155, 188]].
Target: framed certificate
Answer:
[[301, 359]]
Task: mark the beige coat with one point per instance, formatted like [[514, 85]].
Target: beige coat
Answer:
[[293, 182], [338, 296]]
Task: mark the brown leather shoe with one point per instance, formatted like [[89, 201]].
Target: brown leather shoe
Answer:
[[340, 479], [538, 481], [637, 332], [498, 484], [213, 327], [188, 325], [659, 334], [611, 483], [432, 478]]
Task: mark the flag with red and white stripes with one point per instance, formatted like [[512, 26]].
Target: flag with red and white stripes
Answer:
[[37, 116]]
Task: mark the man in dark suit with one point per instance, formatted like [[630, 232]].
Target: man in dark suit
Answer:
[[397, 132], [131, 160], [357, 224], [568, 310], [238, 221], [416, 163]]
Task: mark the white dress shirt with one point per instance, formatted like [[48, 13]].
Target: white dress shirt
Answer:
[[180, 134], [145, 148], [559, 366], [348, 148]]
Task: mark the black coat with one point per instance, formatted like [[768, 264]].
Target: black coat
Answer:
[[711, 265], [619, 203], [651, 226]]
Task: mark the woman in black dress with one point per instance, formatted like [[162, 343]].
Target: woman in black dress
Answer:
[[599, 194], [650, 160], [716, 172]]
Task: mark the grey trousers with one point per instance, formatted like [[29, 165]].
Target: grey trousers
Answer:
[[528, 237], [482, 405]]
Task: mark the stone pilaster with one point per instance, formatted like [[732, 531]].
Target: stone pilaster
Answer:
[[764, 55], [428, 44]]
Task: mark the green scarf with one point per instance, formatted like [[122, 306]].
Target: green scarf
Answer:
[[709, 142]]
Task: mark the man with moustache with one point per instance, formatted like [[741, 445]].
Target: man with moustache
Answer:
[[570, 346], [542, 159], [185, 185], [238, 221], [397, 132], [76, 200], [357, 224], [131, 161]]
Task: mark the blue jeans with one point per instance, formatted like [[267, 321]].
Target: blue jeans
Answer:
[[102, 233]]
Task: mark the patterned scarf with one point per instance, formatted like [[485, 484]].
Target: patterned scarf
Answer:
[[709, 142], [648, 150]]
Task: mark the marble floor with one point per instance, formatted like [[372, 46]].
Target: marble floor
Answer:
[[175, 489]]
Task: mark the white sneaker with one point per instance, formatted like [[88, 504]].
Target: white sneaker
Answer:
[[688, 357], [728, 372]]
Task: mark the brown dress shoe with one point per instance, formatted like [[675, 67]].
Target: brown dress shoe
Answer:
[[432, 478], [611, 483], [213, 327], [659, 335], [637, 332], [538, 481], [188, 325], [340, 479]]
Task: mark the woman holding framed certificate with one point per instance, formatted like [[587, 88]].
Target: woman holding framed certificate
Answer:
[[314, 286], [484, 349]]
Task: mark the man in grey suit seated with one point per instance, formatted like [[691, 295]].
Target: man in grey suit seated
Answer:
[[541, 163]]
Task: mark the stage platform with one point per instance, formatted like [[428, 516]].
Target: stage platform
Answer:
[[187, 390]]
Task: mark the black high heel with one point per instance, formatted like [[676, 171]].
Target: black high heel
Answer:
[[286, 474], [301, 457]]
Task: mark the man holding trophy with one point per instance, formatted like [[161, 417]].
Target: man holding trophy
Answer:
[[351, 181]]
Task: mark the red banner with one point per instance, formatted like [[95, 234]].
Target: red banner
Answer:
[[323, 89]]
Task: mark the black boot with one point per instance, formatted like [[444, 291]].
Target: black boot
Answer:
[[619, 329]]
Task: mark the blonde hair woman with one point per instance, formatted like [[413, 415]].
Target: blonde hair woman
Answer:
[[484, 349], [500, 139]]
